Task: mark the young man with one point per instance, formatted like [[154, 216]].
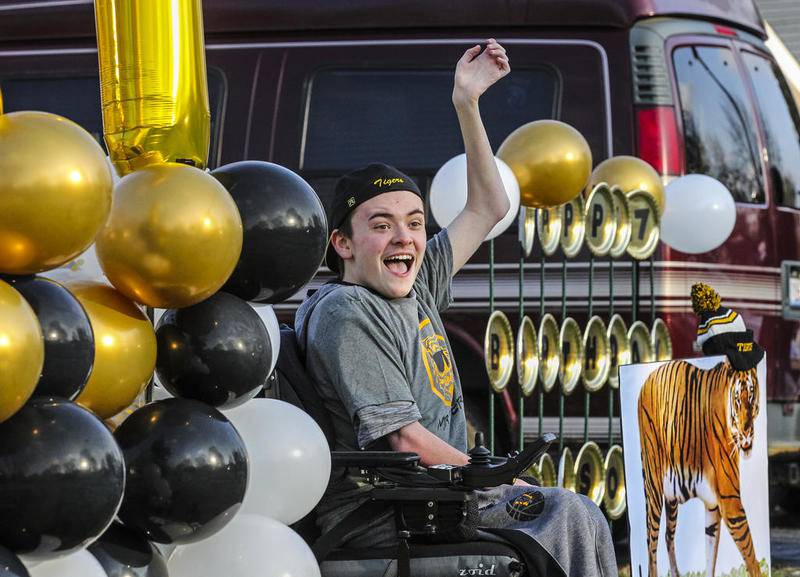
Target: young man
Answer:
[[376, 345]]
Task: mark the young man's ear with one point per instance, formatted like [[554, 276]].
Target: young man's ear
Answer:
[[342, 245]]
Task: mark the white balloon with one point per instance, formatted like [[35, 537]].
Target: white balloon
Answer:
[[448, 193], [85, 266], [78, 564], [699, 214], [267, 315], [248, 546], [289, 459]]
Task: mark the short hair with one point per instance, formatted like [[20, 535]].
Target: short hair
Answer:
[[346, 230]]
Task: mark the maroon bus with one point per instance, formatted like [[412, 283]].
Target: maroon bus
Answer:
[[322, 87]]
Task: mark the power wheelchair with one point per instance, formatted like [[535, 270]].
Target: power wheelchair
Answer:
[[435, 508]]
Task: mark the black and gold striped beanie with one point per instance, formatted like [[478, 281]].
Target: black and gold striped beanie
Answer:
[[721, 330]]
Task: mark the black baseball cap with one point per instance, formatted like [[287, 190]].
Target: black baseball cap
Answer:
[[357, 187]]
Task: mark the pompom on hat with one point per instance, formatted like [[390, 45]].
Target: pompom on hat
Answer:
[[722, 331]]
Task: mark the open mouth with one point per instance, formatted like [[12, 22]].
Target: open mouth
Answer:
[[399, 264]]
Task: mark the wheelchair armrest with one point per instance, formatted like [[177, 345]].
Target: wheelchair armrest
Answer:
[[374, 459], [426, 494]]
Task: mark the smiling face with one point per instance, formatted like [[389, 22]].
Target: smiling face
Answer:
[[386, 248]]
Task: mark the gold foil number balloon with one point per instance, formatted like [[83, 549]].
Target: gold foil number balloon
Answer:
[[153, 82], [630, 173], [125, 349], [21, 351], [551, 160], [55, 191], [173, 237]]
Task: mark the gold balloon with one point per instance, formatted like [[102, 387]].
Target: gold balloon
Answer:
[[125, 349], [21, 351], [173, 237], [630, 173], [551, 160], [55, 191], [153, 83]]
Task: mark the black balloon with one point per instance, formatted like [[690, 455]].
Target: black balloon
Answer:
[[10, 565], [68, 336], [186, 470], [217, 351], [125, 553], [61, 478], [285, 230]]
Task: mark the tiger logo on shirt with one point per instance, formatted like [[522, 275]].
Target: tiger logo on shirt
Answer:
[[438, 364]]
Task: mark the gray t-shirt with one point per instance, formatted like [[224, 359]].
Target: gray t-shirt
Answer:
[[381, 364]]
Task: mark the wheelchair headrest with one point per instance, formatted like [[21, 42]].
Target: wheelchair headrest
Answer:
[[296, 386]]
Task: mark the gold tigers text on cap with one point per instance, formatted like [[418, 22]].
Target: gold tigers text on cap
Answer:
[[380, 182]]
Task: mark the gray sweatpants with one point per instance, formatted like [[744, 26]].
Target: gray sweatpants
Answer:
[[568, 526]]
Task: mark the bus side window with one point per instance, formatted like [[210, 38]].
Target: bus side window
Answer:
[[718, 120], [781, 123]]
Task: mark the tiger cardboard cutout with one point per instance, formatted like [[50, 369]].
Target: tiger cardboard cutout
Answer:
[[693, 424]]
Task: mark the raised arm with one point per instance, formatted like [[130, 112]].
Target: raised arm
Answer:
[[487, 203]]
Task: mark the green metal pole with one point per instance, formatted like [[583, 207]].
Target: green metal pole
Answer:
[[541, 314], [491, 310], [521, 316], [652, 293], [610, 314], [587, 398], [560, 389]]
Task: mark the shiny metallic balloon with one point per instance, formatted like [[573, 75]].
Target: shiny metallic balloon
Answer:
[[186, 471], [614, 500], [125, 553], [645, 224], [641, 346], [498, 348], [285, 230], [549, 352], [21, 351], [573, 229], [68, 336], [10, 565], [661, 341], [622, 216], [61, 477], [125, 349], [551, 160], [549, 222], [619, 348], [571, 364], [217, 351], [527, 356], [173, 236], [599, 220], [590, 479], [596, 354], [566, 470], [55, 191], [153, 83], [630, 173]]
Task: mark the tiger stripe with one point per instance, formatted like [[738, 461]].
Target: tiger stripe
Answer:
[[693, 423]]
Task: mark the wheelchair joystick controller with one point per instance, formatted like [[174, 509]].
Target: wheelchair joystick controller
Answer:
[[479, 455]]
